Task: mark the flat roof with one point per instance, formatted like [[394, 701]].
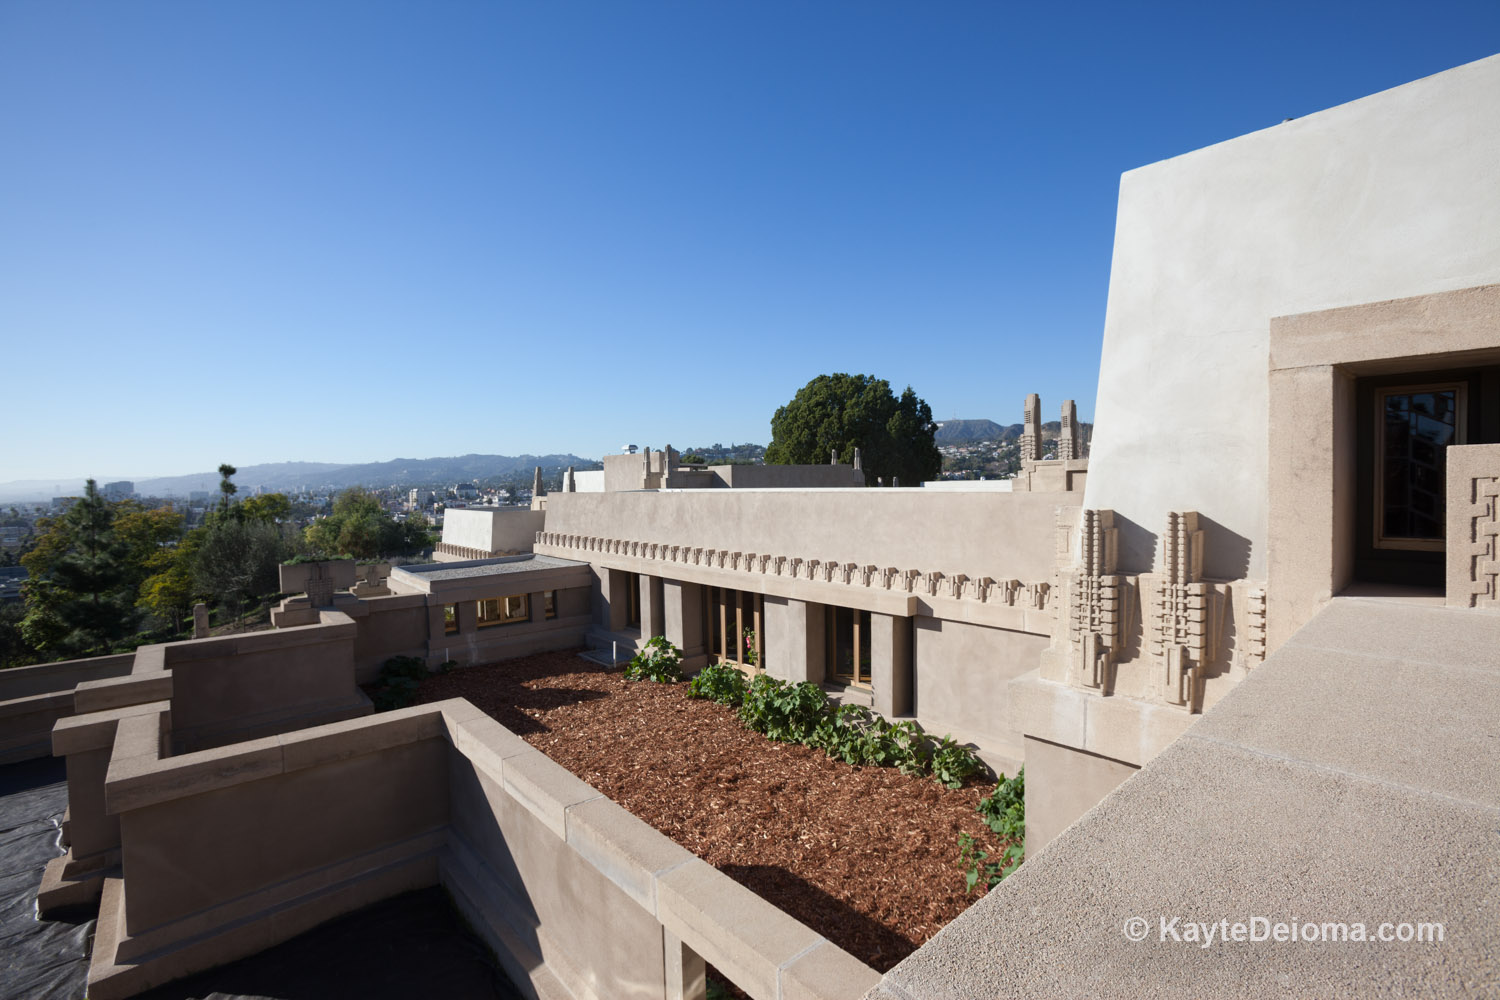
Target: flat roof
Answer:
[[485, 567]]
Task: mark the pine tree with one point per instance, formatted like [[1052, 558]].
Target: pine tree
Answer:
[[88, 589]]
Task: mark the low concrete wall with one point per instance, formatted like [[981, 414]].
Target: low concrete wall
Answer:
[[231, 850], [32, 699]]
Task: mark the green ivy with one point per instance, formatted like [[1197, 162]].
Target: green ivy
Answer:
[[660, 661]]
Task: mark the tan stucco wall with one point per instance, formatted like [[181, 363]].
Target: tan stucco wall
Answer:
[[979, 534], [961, 676], [1392, 195], [506, 529], [1061, 785]]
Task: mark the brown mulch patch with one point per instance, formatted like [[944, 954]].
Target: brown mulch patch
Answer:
[[868, 857]]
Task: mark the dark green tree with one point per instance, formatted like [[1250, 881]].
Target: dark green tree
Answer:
[[838, 413], [80, 595], [227, 488]]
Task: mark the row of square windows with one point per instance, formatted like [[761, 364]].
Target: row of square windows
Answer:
[[509, 610]]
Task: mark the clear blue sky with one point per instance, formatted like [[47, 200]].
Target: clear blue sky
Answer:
[[348, 232]]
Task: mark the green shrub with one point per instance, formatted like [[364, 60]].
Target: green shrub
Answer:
[[660, 661], [952, 764], [719, 682], [788, 713], [400, 676]]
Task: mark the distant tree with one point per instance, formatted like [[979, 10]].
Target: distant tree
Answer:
[[360, 527], [267, 507], [840, 412], [237, 557], [227, 488], [80, 591]]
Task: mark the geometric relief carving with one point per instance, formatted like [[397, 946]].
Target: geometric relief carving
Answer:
[[1183, 626], [1255, 628], [1031, 429], [1095, 614], [1483, 542]]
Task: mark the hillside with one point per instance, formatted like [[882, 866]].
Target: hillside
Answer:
[[280, 476], [955, 432]]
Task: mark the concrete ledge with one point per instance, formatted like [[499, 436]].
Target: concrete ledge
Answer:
[[735, 930], [545, 788], [626, 850], [65, 886], [96, 730], [118, 692], [828, 972], [139, 781]]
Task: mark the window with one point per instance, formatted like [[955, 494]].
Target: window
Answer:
[[504, 610], [450, 619], [848, 646], [549, 604], [1414, 427], [733, 627]]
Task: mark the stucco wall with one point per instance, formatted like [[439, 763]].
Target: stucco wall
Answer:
[[492, 529], [979, 534], [1389, 196], [961, 675]]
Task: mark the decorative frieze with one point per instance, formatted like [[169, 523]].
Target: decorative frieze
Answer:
[[931, 584]]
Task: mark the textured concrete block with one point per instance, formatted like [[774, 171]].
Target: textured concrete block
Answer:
[[545, 789], [731, 927], [626, 850], [828, 972]]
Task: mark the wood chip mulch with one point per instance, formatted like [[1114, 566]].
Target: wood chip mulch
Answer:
[[867, 857]]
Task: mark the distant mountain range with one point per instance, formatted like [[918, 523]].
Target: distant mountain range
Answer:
[[969, 431], [282, 476]]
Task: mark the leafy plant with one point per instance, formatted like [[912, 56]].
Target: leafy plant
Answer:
[[719, 682], [660, 661], [400, 676], [749, 637], [953, 764], [788, 713], [1004, 812]]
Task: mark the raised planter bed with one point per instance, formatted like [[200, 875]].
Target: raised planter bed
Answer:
[[866, 856]]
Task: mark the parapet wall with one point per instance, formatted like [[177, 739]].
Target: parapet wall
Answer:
[[32, 699], [1005, 536], [231, 850]]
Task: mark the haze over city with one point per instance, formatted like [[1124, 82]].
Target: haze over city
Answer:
[[347, 232]]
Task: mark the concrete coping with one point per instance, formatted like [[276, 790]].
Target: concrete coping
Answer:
[[36, 702], [332, 626], [138, 776], [760, 947], [117, 692], [96, 730]]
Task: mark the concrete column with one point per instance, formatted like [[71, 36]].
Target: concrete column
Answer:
[[468, 617], [686, 976], [617, 599], [794, 639], [652, 620], [891, 664], [536, 606], [682, 620]]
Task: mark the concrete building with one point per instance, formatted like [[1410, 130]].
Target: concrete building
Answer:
[[1245, 649], [122, 490]]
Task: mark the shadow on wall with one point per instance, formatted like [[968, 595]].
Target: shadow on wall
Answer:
[[427, 951], [850, 930], [1226, 554], [1137, 546]]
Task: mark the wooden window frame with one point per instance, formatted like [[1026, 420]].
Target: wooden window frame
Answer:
[[503, 608]]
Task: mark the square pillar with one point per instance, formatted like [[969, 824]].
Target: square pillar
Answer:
[[653, 621], [468, 617], [616, 584], [686, 972], [891, 664], [682, 620], [793, 642]]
